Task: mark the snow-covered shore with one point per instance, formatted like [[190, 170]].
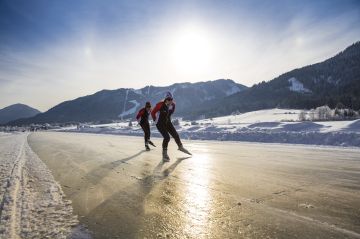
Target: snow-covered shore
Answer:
[[267, 126], [33, 205]]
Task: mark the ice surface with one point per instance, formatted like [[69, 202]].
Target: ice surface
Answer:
[[225, 190]]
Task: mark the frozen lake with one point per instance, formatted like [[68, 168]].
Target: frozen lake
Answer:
[[225, 190]]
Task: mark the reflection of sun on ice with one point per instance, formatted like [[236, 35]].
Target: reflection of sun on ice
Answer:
[[198, 198], [192, 50]]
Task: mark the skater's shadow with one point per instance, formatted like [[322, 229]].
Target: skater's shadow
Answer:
[[126, 206], [157, 169], [121, 161], [97, 174], [172, 167], [158, 175]]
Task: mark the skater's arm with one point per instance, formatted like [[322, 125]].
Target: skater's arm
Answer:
[[139, 115], [155, 110], [172, 108]]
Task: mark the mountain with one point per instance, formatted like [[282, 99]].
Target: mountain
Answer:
[[333, 82], [16, 111], [107, 105]]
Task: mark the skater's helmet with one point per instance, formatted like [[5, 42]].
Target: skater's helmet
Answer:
[[168, 96], [147, 104]]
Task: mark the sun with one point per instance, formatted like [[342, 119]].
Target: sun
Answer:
[[192, 50]]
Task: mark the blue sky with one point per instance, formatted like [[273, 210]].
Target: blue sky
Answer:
[[52, 51]]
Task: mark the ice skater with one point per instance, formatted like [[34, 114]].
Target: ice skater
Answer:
[[143, 119], [161, 114]]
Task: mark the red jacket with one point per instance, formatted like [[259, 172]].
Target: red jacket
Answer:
[[143, 116], [161, 114]]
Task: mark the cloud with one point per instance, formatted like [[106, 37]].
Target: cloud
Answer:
[[249, 45]]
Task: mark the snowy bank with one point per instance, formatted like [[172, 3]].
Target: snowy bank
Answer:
[[265, 136], [33, 204], [267, 126]]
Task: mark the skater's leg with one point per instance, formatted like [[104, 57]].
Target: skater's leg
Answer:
[[147, 131], [165, 134], [144, 129], [172, 131]]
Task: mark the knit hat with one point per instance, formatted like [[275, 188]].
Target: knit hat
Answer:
[[168, 96], [147, 104]]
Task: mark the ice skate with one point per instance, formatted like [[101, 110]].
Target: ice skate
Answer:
[[166, 157], [184, 150]]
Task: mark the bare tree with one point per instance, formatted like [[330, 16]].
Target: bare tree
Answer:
[[312, 115], [302, 115], [323, 113]]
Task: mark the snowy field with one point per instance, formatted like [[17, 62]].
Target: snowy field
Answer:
[[32, 205], [270, 126]]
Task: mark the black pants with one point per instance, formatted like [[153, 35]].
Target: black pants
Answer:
[[165, 129], [146, 128]]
